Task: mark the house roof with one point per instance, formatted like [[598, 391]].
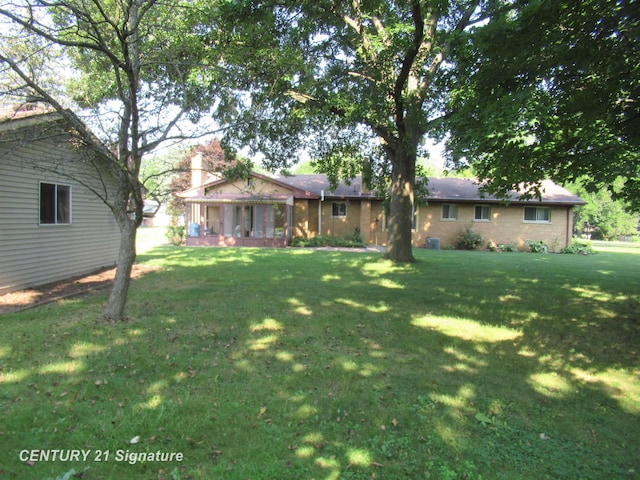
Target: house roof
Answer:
[[467, 190], [319, 185], [454, 190], [16, 117], [457, 190], [240, 198], [198, 193]]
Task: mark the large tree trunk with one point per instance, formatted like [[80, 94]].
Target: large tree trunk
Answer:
[[399, 248], [127, 199], [114, 310]]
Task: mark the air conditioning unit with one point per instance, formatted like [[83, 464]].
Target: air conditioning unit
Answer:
[[433, 243]]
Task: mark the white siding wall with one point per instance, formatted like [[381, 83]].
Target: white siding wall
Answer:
[[33, 254]]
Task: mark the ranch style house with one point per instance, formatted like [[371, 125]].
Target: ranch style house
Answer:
[[268, 211]]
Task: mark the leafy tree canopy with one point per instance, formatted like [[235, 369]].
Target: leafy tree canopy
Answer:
[[136, 68], [602, 216], [549, 89], [350, 83]]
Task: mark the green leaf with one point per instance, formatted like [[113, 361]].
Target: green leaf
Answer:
[[482, 418]]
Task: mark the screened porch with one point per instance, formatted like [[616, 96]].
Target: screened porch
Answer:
[[256, 223]]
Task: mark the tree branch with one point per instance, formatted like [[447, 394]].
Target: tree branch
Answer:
[[356, 25], [463, 23], [407, 62], [412, 53], [38, 29], [147, 147], [72, 120]]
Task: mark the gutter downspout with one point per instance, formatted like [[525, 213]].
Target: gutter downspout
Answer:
[[569, 226], [320, 212]]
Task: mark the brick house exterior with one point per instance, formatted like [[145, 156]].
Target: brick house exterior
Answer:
[[271, 210]]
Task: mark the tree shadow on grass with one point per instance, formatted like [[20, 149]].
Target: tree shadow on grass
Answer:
[[64, 289], [271, 364]]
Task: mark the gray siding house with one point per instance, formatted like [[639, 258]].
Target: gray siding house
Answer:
[[53, 224]]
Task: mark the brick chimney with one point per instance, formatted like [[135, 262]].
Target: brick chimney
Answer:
[[198, 175]]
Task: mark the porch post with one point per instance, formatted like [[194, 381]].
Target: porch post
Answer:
[[202, 219], [289, 225], [365, 220]]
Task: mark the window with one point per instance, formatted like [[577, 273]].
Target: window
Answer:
[[227, 219], [212, 220], [338, 209], [482, 213], [537, 214], [271, 221], [449, 211], [55, 204], [251, 221], [242, 219]]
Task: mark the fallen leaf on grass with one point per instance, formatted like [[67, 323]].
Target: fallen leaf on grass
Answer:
[[484, 419]]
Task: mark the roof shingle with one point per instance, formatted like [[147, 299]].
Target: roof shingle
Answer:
[[440, 190]]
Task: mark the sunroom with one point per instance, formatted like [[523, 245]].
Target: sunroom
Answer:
[[239, 220]]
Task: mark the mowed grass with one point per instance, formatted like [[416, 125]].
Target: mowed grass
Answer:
[[299, 364]]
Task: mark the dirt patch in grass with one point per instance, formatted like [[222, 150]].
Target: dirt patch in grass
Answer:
[[52, 292]]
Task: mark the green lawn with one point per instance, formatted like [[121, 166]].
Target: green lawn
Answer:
[[298, 364]]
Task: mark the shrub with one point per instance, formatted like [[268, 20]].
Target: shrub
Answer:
[[468, 240], [353, 241], [318, 241], [502, 247], [578, 246], [175, 234], [537, 246], [508, 247], [300, 242]]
